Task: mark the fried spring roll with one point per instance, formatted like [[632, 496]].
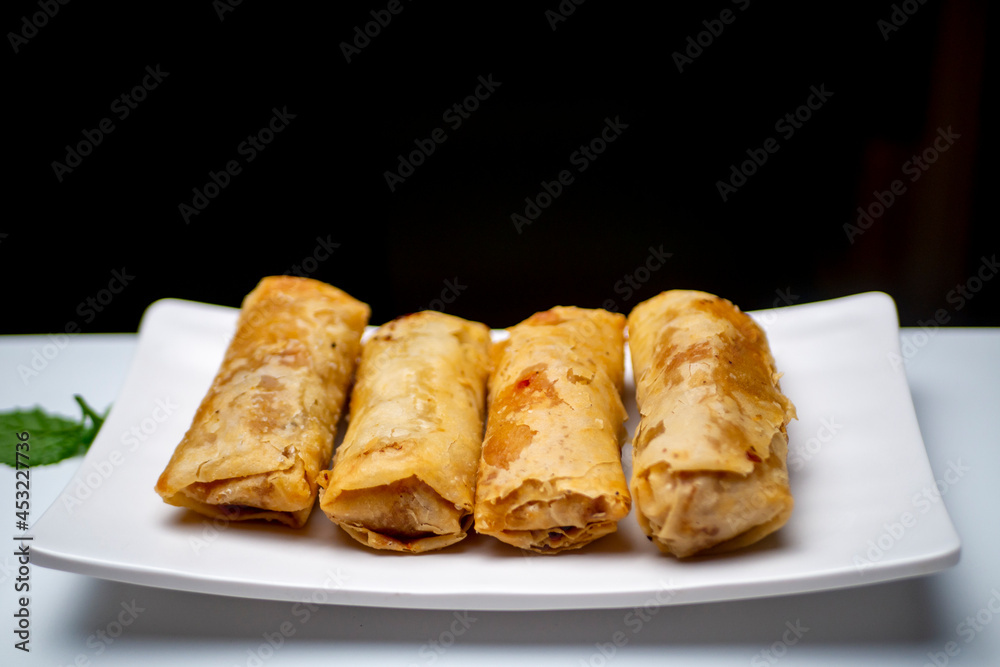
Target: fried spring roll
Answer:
[[550, 476], [709, 455], [265, 428], [403, 479]]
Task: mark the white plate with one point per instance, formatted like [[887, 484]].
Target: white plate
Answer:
[[866, 504]]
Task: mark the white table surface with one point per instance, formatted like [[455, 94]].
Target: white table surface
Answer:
[[954, 377]]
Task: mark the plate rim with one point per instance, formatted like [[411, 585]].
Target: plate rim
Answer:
[[947, 553]]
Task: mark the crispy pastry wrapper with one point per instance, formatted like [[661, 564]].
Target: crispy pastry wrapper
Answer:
[[403, 478], [265, 428], [709, 469], [550, 476]]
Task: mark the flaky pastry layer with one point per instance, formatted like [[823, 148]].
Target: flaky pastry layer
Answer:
[[265, 427], [404, 476], [709, 455], [550, 476]]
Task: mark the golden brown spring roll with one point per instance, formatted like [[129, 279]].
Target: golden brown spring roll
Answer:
[[404, 477], [709, 455], [265, 428], [550, 476]]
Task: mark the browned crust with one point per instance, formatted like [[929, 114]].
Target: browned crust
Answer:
[[404, 477], [265, 427], [709, 454], [550, 476]]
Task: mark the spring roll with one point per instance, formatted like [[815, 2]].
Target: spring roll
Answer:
[[265, 429], [550, 475], [709, 470], [403, 479]]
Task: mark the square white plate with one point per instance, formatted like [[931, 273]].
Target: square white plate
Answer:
[[866, 503]]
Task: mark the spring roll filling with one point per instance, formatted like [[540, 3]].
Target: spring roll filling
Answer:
[[404, 510]]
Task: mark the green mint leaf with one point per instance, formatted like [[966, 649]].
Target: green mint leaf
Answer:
[[53, 437], [96, 421]]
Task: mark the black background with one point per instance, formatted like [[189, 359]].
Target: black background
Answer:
[[779, 238]]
